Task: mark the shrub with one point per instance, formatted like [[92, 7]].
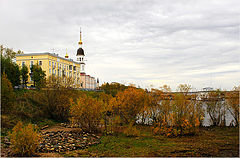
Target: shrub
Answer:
[[129, 103], [182, 116], [56, 98], [186, 128], [87, 112], [24, 139], [131, 131], [29, 105]]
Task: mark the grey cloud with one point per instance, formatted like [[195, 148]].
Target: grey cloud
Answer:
[[139, 41]]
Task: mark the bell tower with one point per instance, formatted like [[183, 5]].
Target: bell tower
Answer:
[[80, 54]]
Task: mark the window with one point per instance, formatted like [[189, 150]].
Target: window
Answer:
[[67, 67], [67, 74], [55, 72], [31, 63], [23, 63], [31, 78], [40, 62], [49, 63], [52, 63], [50, 71]]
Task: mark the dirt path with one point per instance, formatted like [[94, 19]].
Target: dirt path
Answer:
[[60, 128]]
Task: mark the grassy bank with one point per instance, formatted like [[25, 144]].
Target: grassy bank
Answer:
[[217, 141]]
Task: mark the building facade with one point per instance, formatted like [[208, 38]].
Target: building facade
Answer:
[[62, 67]]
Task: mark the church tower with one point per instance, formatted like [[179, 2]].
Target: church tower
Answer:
[[80, 54], [97, 83]]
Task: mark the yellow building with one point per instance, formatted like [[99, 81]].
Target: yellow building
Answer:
[[55, 65], [52, 64]]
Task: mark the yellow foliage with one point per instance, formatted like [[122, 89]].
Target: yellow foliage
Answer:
[[233, 104], [7, 94], [197, 123], [129, 103], [24, 139], [87, 111], [131, 131], [177, 113]]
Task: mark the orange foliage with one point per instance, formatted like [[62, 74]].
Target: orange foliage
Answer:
[[179, 116], [129, 103], [233, 103], [87, 112], [24, 139], [7, 94]]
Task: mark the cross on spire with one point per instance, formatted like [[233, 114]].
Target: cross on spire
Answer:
[[80, 42]]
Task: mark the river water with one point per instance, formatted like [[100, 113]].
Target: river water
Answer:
[[206, 121], [228, 117]]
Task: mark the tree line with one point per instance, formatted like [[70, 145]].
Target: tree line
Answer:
[[16, 75]]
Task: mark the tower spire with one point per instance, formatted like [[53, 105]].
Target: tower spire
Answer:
[[80, 42], [66, 56]]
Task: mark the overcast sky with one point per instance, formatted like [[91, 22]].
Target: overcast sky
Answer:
[[144, 42]]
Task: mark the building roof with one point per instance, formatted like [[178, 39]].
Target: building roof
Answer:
[[47, 53], [80, 51]]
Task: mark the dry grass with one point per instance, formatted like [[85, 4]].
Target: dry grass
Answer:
[[217, 141]]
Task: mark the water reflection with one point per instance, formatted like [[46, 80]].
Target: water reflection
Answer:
[[229, 119]]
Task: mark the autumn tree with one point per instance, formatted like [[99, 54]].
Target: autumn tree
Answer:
[[56, 96], [38, 76], [161, 103], [215, 107], [179, 116], [128, 104], [9, 53], [107, 112], [87, 112], [7, 94], [232, 99], [113, 88], [24, 75], [186, 109], [11, 70]]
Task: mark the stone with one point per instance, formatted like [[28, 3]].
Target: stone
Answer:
[[44, 127], [61, 141]]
